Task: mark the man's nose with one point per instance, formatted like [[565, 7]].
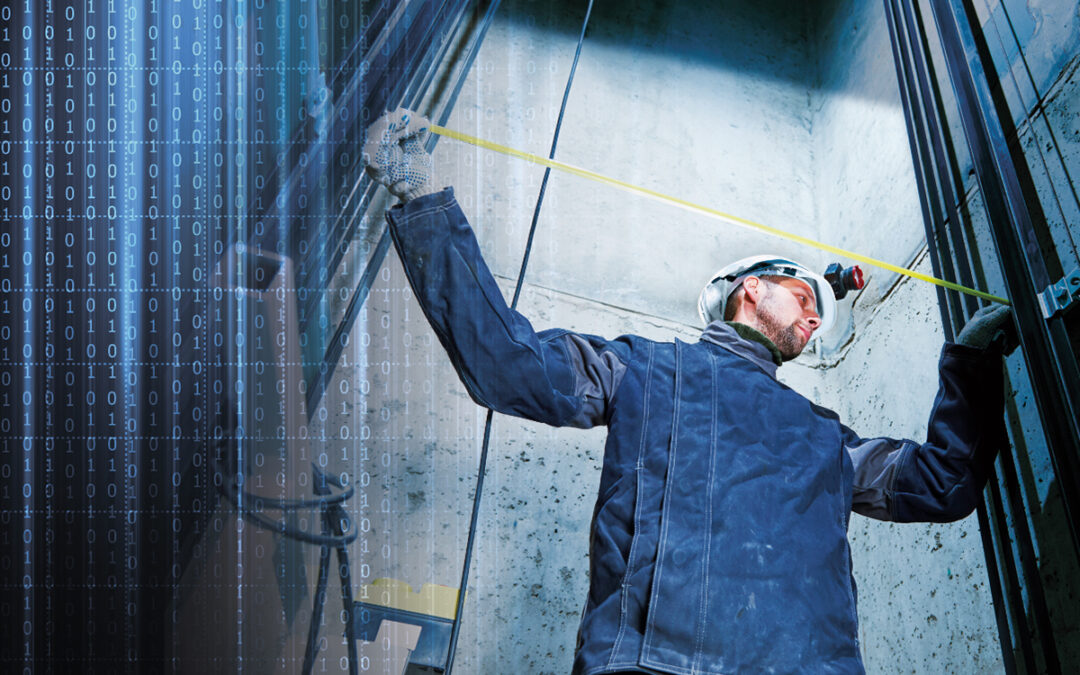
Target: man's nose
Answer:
[[814, 320]]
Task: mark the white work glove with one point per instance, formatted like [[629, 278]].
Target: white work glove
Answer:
[[988, 324], [394, 154]]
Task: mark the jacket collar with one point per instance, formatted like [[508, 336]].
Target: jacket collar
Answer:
[[746, 342]]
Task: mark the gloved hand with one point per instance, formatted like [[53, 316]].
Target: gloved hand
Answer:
[[394, 154], [985, 325]]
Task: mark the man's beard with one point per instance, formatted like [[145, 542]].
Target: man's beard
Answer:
[[788, 339]]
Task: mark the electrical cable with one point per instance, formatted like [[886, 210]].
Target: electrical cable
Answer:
[[551, 156], [707, 211], [282, 504], [333, 519], [513, 305], [232, 493]]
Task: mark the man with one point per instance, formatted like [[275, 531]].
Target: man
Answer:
[[719, 536]]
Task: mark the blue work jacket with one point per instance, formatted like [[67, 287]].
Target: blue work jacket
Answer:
[[719, 536]]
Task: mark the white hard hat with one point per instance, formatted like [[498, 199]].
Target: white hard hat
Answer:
[[716, 293]]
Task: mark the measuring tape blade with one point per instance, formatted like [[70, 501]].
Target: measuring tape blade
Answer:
[[707, 211]]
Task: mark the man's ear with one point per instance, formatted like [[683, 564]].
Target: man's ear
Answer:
[[754, 288]]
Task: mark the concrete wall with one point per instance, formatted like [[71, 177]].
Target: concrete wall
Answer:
[[772, 111], [668, 96]]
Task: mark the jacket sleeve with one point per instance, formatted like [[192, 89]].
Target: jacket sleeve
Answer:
[[556, 377], [939, 480]]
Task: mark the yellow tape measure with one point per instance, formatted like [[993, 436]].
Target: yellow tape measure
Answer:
[[697, 208]]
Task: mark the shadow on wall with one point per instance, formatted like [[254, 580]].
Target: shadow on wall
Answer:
[[688, 30], [693, 31], [1057, 567], [1058, 575]]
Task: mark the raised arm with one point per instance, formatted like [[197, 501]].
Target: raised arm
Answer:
[[939, 480], [556, 377]]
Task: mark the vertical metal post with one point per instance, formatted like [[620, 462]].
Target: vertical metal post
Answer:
[[916, 141]]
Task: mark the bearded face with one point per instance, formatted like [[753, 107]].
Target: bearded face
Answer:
[[774, 312]]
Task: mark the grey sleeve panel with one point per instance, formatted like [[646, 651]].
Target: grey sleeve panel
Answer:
[[940, 480], [597, 374], [877, 463]]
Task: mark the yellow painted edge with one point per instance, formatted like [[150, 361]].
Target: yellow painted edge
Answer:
[[432, 599]]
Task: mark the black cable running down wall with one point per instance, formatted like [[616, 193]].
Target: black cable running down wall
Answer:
[[513, 305], [551, 155]]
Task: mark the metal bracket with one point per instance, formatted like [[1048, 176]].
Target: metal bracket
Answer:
[[1057, 297]]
